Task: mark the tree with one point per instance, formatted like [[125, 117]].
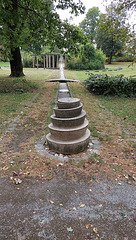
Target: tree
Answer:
[[88, 58], [127, 4], [112, 32], [89, 24], [34, 22]]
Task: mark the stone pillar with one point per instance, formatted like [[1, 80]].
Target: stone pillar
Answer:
[[57, 61], [37, 62], [33, 60], [49, 61], [53, 61], [46, 61]]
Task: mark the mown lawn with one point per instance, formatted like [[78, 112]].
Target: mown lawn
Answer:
[[127, 69]]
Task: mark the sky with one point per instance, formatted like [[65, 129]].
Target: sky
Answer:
[[88, 4]]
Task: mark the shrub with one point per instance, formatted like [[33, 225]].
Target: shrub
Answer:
[[111, 85], [88, 58]]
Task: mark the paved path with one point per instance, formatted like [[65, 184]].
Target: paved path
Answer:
[[61, 209]]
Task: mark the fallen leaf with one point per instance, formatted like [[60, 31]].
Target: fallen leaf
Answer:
[[74, 208], [51, 202], [60, 164], [123, 215], [119, 183], [87, 226], [61, 204], [129, 182], [108, 188], [17, 181], [70, 229], [43, 221], [14, 173], [100, 205], [82, 205], [67, 211], [95, 230]]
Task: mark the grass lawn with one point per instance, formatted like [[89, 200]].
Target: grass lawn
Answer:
[[4, 64], [127, 69]]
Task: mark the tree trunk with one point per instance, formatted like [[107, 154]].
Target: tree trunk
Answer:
[[109, 60], [16, 63]]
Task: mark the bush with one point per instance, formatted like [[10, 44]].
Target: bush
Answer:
[[111, 85], [88, 58]]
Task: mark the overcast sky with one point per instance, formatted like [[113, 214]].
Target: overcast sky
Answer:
[[88, 4]]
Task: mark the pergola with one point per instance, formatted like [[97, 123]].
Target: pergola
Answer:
[[49, 61]]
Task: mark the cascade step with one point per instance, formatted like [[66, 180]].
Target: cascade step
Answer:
[[68, 112], [65, 134], [68, 122], [68, 103], [68, 147]]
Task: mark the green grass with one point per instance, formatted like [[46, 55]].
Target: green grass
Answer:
[[4, 64], [112, 69], [12, 101], [12, 104], [121, 107]]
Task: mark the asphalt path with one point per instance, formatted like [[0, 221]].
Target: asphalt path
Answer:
[[61, 209]]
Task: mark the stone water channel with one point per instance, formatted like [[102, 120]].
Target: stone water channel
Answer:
[[69, 132]]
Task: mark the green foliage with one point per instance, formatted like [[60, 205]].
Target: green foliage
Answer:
[[111, 85], [88, 58], [27, 59], [112, 33], [89, 24], [19, 85]]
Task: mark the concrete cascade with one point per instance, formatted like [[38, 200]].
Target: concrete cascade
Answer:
[[68, 130]]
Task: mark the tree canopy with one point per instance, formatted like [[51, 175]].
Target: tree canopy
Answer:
[[112, 32], [89, 24], [36, 22]]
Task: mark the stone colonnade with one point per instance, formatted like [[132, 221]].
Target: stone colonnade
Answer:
[[49, 61]]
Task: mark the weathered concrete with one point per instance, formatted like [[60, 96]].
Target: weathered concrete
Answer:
[[68, 133], [68, 103], [68, 146]]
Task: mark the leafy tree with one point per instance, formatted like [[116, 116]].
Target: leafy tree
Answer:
[[89, 24], [112, 32], [88, 58], [25, 23], [127, 4]]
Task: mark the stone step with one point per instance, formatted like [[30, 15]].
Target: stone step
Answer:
[[68, 147], [68, 112], [65, 134], [68, 122], [68, 103]]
